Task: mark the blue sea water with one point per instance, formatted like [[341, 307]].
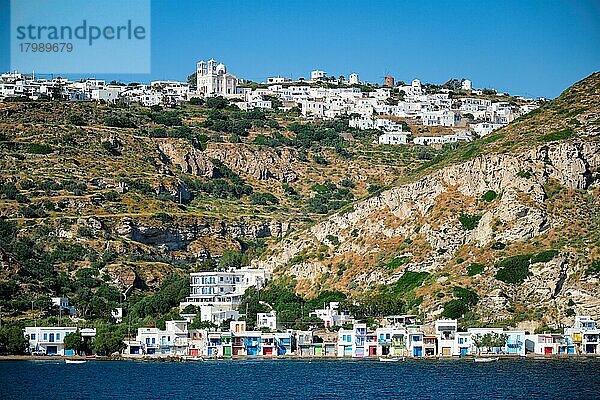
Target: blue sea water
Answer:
[[302, 379]]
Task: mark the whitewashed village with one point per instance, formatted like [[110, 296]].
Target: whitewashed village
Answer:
[[214, 302], [462, 111], [212, 325]]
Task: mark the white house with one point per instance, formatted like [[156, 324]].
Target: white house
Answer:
[[313, 108], [153, 341], [485, 128], [267, 320], [352, 342], [445, 330], [49, 340], [62, 303], [585, 335], [353, 79], [393, 138], [331, 315], [429, 140], [317, 75], [108, 95], [439, 118]]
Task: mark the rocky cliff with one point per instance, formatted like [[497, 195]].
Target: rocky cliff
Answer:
[[426, 213], [262, 163]]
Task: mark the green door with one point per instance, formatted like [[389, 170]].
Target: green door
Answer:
[[227, 351]]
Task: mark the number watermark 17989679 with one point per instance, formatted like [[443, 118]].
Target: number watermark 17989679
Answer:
[[45, 47]]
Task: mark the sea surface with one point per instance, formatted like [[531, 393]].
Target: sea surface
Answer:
[[302, 379]]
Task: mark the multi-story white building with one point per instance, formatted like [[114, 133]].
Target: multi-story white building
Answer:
[[212, 79], [585, 335], [218, 293], [445, 330], [439, 118], [352, 342], [50, 340]]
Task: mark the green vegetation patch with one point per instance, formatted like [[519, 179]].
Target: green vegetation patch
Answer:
[[593, 269], [37, 148], [490, 195], [524, 174], [409, 281], [397, 262], [475, 269], [514, 269], [544, 256], [469, 222], [558, 135], [464, 301]]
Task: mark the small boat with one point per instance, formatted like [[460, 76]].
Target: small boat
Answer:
[[385, 359], [486, 359], [75, 361], [193, 358]]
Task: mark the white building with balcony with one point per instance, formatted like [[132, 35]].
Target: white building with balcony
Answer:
[[585, 335], [218, 293], [445, 330]]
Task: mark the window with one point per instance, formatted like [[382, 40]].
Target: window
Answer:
[[32, 336], [58, 336], [45, 336]]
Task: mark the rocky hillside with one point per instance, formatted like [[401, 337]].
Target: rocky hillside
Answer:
[[512, 220], [140, 193]]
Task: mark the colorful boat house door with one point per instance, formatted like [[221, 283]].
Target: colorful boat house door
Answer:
[[418, 351]]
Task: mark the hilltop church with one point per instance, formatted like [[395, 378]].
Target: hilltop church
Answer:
[[213, 79]]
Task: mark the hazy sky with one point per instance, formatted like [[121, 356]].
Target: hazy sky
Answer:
[[535, 48]]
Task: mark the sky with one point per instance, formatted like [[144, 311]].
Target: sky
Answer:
[[530, 48]]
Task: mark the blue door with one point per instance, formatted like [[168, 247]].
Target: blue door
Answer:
[[463, 351], [51, 350], [418, 351]]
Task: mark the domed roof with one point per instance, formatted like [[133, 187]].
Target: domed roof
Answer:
[[221, 68]]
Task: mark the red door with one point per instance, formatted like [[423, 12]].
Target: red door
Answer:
[[548, 350], [268, 351], [372, 351]]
